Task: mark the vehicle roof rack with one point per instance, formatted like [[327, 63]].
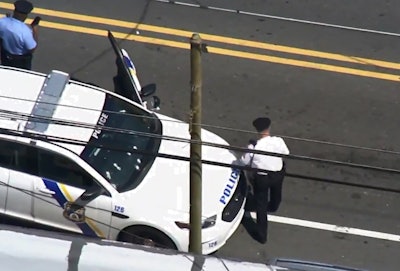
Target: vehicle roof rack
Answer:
[[47, 101]]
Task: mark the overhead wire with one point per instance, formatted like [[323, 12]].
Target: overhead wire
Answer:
[[38, 197], [26, 192], [78, 70], [28, 117], [306, 140], [288, 137], [55, 139], [35, 195], [70, 141], [211, 126]]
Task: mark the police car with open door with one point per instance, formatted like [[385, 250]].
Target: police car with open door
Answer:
[[76, 157]]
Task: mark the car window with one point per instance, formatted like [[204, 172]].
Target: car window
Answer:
[[115, 154], [17, 156], [61, 169], [39, 162], [6, 154]]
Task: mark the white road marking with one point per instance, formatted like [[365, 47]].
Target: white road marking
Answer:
[[331, 227], [282, 18]]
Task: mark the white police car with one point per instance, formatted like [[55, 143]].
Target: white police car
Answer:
[[75, 157]]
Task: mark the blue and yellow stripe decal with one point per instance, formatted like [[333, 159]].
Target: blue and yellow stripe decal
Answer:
[[62, 196]]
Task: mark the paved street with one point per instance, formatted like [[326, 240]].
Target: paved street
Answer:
[[315, 82]]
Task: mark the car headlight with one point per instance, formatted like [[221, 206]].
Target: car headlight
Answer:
[[206, 223], [209, 222]]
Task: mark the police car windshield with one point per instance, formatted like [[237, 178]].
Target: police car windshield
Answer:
[[114, 153]]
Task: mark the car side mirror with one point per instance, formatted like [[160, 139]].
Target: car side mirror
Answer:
[[91, 193], [148, 90]]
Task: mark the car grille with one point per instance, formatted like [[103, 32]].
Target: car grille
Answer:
[[233, 207]]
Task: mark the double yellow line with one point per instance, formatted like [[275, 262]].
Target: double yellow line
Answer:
[[219, 39]]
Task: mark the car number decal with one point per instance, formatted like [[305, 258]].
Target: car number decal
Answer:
[[119, 209]]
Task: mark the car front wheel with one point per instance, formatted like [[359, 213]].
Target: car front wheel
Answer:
[[143, 235]]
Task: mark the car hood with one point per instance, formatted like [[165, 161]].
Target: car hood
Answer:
[[168, 180]]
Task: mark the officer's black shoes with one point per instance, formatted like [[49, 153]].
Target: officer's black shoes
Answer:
[[261, 238]]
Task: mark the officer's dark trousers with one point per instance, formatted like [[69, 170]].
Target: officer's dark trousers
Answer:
[[268, 195], [17, 61]]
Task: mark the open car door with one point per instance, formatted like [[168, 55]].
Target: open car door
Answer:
[[126, 82]]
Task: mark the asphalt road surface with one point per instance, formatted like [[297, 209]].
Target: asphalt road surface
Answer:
[[315, 81]]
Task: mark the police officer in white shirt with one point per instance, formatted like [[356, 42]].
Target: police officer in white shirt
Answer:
[[18, 40], [267, 186]]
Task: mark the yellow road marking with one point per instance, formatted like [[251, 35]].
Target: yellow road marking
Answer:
[[216, 38], [300, 63], [101, 32], [87, 220], [240, 54], [227, 52]]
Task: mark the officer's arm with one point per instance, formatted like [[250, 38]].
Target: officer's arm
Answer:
[[35, 37], [30, 39], [35, 32], [246, 158]]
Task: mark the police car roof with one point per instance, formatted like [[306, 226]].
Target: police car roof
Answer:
[[26, 94]]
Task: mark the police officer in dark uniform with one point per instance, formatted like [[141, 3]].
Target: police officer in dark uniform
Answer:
[[267, 186], [18, 40]]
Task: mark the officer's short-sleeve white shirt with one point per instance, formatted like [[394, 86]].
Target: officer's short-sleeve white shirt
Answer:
[[272, 144], [17, 36]]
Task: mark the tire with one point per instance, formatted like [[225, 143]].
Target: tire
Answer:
[[213, 253], [143, 235]]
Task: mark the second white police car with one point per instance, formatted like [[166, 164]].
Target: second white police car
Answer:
[[75, 157]]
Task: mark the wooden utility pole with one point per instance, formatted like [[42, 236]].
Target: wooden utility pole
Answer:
[[195, 145]]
